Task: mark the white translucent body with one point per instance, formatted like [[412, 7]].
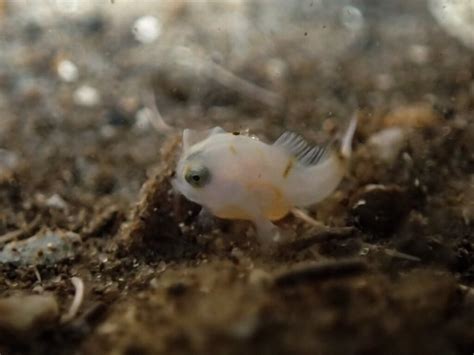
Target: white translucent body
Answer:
[[252, 180]]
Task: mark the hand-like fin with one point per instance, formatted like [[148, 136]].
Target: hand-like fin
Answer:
[[296, 145], [346, 143]]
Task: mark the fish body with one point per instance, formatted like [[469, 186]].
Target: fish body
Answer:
[[236, 176]]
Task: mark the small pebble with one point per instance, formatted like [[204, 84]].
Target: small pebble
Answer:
[[352, 18], [237, 253], [379, 209], [108, 131], [387, 143], [456, 17], [56, 201], [47, 247], [146, 29], [25, 313], [67, 71], [419, 54], [86, 96], [142, 120]]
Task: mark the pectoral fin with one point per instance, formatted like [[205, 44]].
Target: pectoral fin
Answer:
[[271, 200]]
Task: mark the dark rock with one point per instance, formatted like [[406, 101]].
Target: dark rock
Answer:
[[321, 271], [94, 24], [117, 117], [177, 289], [379, 210]]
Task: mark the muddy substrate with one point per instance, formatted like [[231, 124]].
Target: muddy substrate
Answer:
[[391, 274]]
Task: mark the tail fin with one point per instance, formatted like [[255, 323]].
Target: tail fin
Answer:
[[314, 183], [346, 143]]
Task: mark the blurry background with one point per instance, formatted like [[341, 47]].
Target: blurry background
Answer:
[[76, 76]]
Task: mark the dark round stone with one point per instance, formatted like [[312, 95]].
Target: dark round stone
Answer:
[[379, 209]]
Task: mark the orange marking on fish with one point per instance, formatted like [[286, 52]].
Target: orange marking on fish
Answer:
[[232, 212], [273, 203]]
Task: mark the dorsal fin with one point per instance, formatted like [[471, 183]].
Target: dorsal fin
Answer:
[[244, 132], [296, 145]]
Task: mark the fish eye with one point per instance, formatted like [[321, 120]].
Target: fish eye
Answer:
[[197, 177]]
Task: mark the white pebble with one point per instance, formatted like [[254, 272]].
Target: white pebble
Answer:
[[56, 201], [47, 247], [67, 71], [352, 18], [388, 143], [456, 17], [108, 131], [146, 29], [86, 96], [419, 53], [142, 119]]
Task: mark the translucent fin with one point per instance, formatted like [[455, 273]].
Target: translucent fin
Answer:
[[191, 137], [296, 145], [346, 144]]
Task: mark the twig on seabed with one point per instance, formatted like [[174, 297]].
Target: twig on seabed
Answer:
[[77, 301], [307, 218], [393, 253], [12, 235], [321, 271], [37, 274], [400, 255], [16, 234], [153, 114], [320, 236], [230, 80]]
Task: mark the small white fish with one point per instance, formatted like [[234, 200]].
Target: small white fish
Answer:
[[236, 176]]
